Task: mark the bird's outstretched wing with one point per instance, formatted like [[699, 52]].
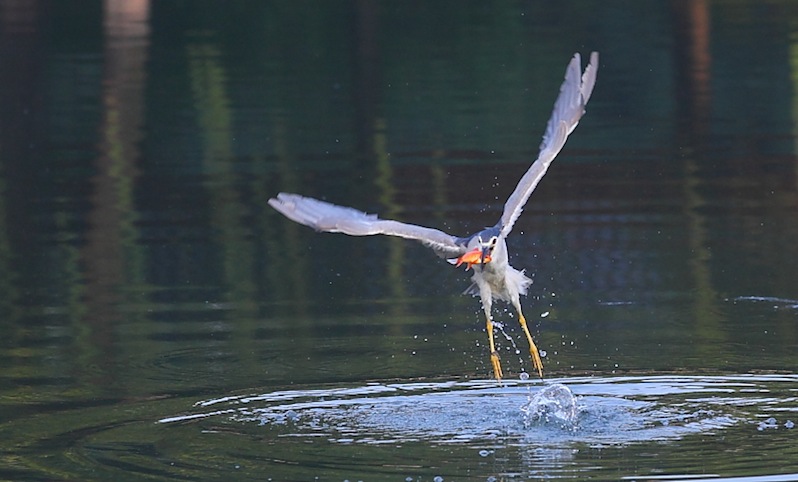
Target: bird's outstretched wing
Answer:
[[568, 109], [323, 216]]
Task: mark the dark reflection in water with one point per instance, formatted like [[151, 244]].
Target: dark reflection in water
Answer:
[[141, 268]]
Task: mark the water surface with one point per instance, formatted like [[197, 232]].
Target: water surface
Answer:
[[161, 322]]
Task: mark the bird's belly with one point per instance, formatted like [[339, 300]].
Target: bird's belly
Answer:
[[505, 284], [496, 281]]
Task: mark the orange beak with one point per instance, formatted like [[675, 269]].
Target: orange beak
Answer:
[[475, 256]]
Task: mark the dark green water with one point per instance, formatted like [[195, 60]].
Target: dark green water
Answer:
[[161, 322]]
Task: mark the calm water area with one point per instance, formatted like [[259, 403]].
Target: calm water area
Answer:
[[159, 321]]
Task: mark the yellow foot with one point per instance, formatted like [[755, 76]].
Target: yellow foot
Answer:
[[536, 361], [497, 367]]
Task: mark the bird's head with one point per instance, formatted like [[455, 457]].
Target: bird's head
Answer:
[[480, 247], [485, 245]]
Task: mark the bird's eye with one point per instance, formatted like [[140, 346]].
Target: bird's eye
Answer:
[[493, 241]]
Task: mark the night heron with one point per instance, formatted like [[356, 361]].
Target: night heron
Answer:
[[486, 250]]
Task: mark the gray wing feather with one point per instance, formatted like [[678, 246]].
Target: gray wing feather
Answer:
[[568, 109], [324, 216]]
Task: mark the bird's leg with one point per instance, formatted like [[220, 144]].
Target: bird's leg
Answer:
[[494, 356], [487, 302], [537, 363]]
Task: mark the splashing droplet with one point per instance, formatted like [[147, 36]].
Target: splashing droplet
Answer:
[[553, 404]]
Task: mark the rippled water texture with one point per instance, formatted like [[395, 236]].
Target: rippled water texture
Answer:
[[159, 321], [603, 427]]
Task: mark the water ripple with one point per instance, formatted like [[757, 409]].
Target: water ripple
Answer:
[[588, 427], [594, 411]]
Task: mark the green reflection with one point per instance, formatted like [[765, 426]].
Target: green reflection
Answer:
[[695, 70], [111, 260], [228, 214], [386, 193]]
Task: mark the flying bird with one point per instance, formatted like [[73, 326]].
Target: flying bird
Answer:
[[485, 252]]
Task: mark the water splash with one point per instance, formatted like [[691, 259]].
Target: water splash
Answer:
[[499, 326], [597, 411], [772, 424], [555, 404], [777, 303]]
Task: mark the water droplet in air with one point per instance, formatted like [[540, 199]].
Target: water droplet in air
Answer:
[[789, 424], [484, 453], [437, 478], [524, 376]]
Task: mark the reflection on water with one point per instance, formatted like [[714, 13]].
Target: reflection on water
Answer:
[[141, 269]]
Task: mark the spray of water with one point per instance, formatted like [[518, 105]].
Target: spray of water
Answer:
[[555, 404]]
